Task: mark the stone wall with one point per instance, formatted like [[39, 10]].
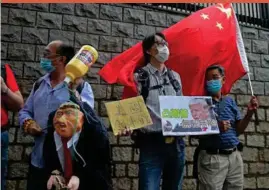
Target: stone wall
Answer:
[[27, 28]]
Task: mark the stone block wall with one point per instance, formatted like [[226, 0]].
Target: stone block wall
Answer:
[[113, 28]]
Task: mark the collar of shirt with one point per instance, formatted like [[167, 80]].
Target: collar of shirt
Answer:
[[221, 99], [153, 70], [58, 141], [46, 78]]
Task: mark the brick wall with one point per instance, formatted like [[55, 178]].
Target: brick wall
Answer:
[[27, 28]]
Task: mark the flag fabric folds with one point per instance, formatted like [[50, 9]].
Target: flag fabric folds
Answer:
[[209, 36]]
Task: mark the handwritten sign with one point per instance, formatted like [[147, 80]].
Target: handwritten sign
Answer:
[[187, 115], [131, 112]]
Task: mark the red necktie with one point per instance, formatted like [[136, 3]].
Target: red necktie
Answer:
[[68, 169]]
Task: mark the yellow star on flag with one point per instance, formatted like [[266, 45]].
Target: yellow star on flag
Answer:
[[219, 26], [205, 16], [227, 11]]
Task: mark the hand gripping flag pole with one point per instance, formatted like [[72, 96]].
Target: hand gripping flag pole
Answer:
[[243, 56]]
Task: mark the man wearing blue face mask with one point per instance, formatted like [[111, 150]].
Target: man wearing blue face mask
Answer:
[[220, 164], [48, 93]]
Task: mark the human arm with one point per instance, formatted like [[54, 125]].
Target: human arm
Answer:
[[11, 94], [242, 124], [87, 95], [52, 169], [26, 115], [27, 110], [178, 78]]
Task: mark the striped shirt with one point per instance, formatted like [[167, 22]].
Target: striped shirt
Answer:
[[157, 78], [226, 109]]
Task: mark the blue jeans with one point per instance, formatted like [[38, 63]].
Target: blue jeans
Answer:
[[160, 159], [4, 158]]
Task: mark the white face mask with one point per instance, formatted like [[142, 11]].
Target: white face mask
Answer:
[[163, 53]]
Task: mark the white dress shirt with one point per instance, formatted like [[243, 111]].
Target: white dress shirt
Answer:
[[59, 145]]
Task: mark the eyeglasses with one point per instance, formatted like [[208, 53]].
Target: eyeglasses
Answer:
[[163, 42], [217, 77], [48, 54]]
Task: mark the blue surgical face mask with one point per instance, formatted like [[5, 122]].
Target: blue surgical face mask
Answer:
[[46, 65], [213, 86]]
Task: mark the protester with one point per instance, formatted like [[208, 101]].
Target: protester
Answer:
[[11, 100], [220, 165], [71, 151], [48, 93], [159, 155]]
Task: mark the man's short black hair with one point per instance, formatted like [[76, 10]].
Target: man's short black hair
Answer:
[[67, 51], [148, 43], [220, 69]]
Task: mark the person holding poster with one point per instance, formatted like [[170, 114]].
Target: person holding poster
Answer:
[[220, 165], [159, 155]]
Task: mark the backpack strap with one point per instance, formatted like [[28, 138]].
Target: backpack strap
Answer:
[[80, 87], [176, 85], [37, 84], [143, 79]]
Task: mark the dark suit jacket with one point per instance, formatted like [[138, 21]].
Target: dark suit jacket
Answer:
[[96, 175]]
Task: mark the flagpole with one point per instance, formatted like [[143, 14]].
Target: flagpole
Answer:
[[250, 84], [252, 94], [244, 59]]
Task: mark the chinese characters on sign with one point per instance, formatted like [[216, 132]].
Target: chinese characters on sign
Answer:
[[183, 115], [130, 113]]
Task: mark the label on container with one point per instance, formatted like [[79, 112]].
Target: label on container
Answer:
[[85, 56]]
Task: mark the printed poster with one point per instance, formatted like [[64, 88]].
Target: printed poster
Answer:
[[131, 112], [187, 115]]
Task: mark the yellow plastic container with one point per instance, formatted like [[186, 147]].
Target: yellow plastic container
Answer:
[[79, 65]]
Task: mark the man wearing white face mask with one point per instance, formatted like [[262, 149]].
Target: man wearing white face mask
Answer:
[[159, 155], [48, 93]]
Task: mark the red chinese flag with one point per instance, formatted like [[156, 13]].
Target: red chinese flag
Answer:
[[209, 36]]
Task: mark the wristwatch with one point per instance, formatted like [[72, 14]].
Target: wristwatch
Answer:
[[5, 92]]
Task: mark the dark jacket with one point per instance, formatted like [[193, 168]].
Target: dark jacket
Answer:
[[93, 146]]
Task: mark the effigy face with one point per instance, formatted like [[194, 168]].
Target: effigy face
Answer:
[[68, 120]]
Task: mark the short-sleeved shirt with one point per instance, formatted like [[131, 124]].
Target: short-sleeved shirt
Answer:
[[157, 78], [225, 109], [13, 86]]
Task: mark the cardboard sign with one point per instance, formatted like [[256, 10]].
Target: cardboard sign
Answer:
[[131, 113], [187, 115]]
